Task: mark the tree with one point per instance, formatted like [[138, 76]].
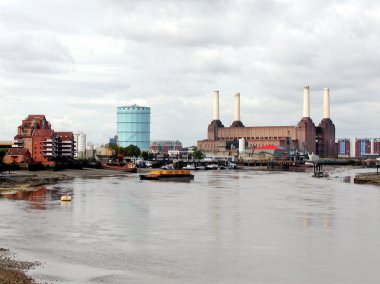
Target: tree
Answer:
[[146, 155], [198, 154], [3, 151], [130, 151]]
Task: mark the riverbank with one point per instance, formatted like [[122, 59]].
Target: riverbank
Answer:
[[13, 271], [24, 180], [367, 178]]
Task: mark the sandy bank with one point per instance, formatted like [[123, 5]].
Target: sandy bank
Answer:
[[13, 271], [368, 178], [20, 180]]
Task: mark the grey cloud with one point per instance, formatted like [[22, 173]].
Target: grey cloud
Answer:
[[35, 53]]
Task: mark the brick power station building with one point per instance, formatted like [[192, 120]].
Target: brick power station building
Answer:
[[36, 142], [304, 137]]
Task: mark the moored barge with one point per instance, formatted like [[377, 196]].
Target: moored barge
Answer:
[[168, 175]]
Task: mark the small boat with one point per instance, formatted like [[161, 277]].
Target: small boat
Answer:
[[231, 166], [189, 167], [130, 168], [66, 198], [200, 168], [320, 174], [168, 175], [212, 167], [167, 167]]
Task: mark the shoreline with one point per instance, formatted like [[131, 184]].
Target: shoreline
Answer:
[[26, 181], [14, 271]]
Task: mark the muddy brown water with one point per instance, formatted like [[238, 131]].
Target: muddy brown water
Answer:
[[224, 227]]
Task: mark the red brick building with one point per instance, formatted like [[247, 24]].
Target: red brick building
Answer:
[[305, 136], [17, 156], [164, 146], [44, 145]]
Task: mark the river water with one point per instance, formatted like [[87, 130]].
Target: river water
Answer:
[[224, 227]]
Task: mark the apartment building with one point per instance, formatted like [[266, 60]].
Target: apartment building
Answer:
[[358, 147], [44, 144]]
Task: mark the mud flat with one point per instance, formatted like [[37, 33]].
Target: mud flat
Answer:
[[367, 178], [24, 181], [13, 271]]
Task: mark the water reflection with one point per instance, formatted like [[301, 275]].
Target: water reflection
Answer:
[[347, 179], [39, 198]]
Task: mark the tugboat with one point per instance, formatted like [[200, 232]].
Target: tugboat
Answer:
[[168, 175]]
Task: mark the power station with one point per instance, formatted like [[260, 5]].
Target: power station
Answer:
[[305, 137]]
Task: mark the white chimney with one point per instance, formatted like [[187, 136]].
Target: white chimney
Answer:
[[237, 107], [306, 102], [215, 115], [326, 103]]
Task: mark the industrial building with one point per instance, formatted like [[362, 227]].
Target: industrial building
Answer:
[[164, 146], [358, 147], [39, 143], [133, 126], [305, 137]]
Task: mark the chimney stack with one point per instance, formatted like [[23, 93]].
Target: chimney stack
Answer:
[[215, 115], [237, 107], [326, 103], [306, 102]]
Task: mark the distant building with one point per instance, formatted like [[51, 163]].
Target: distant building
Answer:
[[90, 150], [66, 144], [273, 150], [358, 147], [344, 148], [164, 146], [114, 140], [103, 154], [44, 145], [133, 126], [80, 145], [305, 137]]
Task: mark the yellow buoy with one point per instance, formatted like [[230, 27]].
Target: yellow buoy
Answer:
[[65, 198]]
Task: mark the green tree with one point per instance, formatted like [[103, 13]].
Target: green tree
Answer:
[[131, 151], [3, 151], [146, 155], [198, 154]]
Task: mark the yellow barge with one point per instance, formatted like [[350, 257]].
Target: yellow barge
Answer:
[[176, 175]]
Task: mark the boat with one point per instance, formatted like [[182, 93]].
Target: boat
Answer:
[[167, 175], [212, 167], [167, 167], [231, 166], [66, 198], [320, 174], [200, 168], [130, 168], [189, 167]]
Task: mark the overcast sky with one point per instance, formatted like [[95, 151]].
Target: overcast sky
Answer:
[[76, 61]]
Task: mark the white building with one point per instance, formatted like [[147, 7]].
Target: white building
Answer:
[[80, 145]]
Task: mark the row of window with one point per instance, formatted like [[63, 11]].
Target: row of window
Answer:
[[253, 138]]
